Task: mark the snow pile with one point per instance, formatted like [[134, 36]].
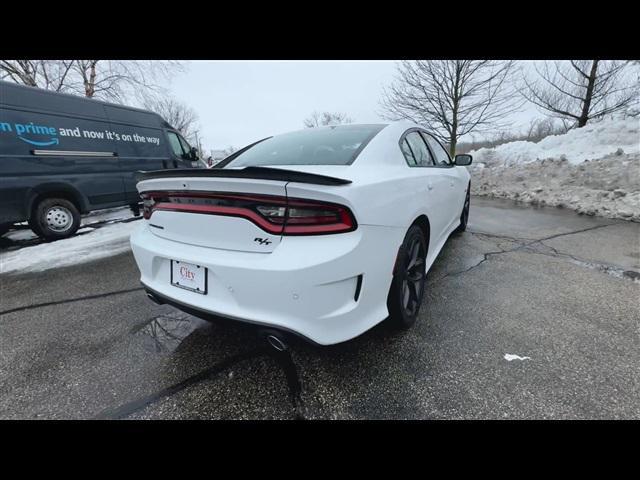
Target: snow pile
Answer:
[[596, 140], [608, 187], [99, 243], [594, 170]]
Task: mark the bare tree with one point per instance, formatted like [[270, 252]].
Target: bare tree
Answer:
[[178, 114], [47, 74], [113, 80], [452, 97], [581, 90], [541, 128], [122, 80], [326, 118]]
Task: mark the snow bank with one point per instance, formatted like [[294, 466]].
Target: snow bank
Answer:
[[609, 136], [99, 243], [594, 170], [607, 187]]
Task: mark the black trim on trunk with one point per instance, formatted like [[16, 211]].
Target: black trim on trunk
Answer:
[[260, 173]]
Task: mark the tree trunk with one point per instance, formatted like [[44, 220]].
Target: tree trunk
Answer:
[[454, 111], [454, 130], [586, 104], [90, 85], [452, 146]]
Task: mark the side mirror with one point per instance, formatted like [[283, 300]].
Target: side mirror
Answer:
[[194, 153], [463, 160]]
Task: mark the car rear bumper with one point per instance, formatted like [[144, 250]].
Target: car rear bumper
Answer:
[[327, 289]]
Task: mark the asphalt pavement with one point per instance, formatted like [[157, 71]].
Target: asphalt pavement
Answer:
[[557, 289]]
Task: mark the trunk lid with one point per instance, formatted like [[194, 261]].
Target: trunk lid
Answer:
[[231, 209], [183, 216]]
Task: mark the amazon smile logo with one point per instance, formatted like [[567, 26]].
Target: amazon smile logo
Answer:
[[25, 130], [53, 141]]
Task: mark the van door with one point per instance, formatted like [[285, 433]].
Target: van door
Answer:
[[139, 149], [140, 145], [42, 151]]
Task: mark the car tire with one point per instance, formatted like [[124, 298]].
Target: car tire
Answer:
[[464, 216], [407, 287], [54, 219]]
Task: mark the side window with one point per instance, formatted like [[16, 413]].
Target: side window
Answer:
[[185, 146], [408, 154], [176, 147], [442, 157], [419, 149]]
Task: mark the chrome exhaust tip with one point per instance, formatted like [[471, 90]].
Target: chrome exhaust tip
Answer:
[[276, 342]]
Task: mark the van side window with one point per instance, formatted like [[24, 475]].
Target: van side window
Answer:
[[176, 147], [185, 146]]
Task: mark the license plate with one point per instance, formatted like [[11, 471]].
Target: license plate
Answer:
[[189, 276]]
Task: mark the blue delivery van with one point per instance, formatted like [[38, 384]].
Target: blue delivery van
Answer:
[[63, 155]]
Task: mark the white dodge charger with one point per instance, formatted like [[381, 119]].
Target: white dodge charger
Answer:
[[323, 232]]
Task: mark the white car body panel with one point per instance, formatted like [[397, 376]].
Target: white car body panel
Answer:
[[305, 284]]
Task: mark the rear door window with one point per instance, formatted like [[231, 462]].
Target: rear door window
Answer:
[[419, 149], [408, 154], [442, 157]]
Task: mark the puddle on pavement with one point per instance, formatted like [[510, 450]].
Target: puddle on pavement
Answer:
[[165, 333]]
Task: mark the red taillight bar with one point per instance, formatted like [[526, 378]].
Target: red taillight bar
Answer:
[[330, 217]]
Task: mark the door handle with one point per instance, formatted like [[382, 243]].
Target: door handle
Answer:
[[430, 186], [451, 183]]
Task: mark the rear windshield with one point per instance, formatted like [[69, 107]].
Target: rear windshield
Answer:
[[339, 145]]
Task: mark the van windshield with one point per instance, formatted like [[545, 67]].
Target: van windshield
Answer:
[[338, 145]]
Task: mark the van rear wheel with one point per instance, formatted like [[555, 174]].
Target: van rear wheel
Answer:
[[55, 218]]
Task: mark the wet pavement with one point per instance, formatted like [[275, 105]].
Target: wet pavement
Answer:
[[559, 288]]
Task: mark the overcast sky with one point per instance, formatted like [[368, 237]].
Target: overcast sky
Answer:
[[239, 102]]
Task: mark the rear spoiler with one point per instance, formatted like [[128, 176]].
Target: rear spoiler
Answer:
[[260, 173]]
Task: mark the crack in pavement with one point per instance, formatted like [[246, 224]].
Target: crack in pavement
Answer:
[[574, 232], [608, 268], [528, 244], [502, 237], [69, 300]]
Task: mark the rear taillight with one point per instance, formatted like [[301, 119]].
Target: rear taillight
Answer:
[[274, 214]]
